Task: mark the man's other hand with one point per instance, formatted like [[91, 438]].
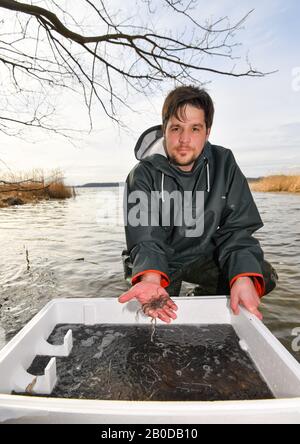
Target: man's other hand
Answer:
[[243, 292], [154, 299]]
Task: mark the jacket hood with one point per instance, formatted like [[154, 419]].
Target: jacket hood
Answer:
[[149, 143]]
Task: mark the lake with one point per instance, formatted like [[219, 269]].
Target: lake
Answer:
[[72, 248]]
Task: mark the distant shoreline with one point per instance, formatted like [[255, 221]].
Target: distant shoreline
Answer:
[[276, 183], [100, 185], [117, 184]]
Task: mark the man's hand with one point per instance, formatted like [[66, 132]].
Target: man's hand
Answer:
[[243, 292], [155, 301]]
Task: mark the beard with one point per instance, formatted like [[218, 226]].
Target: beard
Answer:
[[186, 159], [182, 159]]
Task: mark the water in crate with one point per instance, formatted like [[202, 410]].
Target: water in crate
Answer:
[[176, 363]]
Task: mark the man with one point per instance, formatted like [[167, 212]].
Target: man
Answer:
[[214, 249]]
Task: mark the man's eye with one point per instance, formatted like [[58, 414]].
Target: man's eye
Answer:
[[174, 129], [196, 129]]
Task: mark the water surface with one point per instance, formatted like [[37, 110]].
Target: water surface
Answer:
[[179, 363]]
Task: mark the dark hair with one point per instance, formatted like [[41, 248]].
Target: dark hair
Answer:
[[176, 101]]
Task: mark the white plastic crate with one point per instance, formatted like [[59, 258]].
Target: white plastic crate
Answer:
[[274, 363]]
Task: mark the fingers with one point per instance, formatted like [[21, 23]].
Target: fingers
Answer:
[[171, 304], [127, 296], [170, 312], [165, 314], [168, 301], [234, 304], [160, 313], [257, 313], [251, 307], [166, 311]]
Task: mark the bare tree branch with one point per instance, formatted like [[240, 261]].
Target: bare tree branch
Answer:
[[48, 50]]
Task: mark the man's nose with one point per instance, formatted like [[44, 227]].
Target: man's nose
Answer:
[[184, 137]]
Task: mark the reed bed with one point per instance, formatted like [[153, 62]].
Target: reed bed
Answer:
[[277, 183], [31, 187]]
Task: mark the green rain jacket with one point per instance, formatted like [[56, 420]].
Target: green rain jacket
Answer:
[[230, 214]]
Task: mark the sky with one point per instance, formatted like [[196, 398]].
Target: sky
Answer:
[[257, 118]]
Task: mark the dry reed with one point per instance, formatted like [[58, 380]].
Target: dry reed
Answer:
[[30, 187], [277, 183]]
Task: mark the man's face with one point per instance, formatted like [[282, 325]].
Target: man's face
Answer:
[[185, 139]]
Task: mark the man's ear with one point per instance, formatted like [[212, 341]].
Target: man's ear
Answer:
[[207, 134]]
